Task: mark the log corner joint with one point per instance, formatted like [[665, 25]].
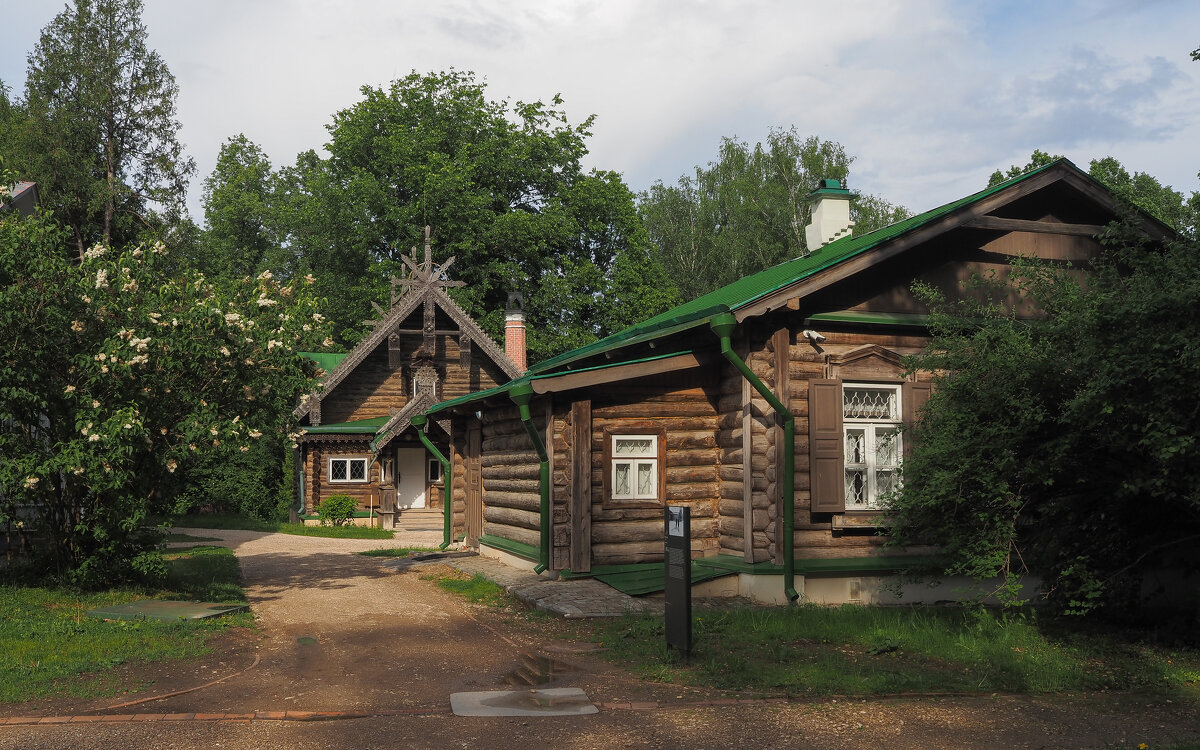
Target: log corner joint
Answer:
[[724, 325]]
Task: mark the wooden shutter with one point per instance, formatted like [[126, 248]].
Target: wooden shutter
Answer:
[[914, 396], [827, 478]]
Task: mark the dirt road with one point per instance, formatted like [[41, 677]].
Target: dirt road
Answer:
[[338, 632]]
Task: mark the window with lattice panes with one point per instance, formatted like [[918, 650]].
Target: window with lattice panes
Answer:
[[871, 423], [347, 470], [634, 467]]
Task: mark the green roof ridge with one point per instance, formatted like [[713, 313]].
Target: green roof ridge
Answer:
[[746, 290]]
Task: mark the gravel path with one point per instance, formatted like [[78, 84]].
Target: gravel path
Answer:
[[342, 632]]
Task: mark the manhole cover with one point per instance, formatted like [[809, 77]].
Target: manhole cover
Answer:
[[550, 702]]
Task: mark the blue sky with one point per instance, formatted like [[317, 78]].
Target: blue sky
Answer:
[[930, 97]]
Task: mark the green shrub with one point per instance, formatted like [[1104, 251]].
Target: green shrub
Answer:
[[337, 510]]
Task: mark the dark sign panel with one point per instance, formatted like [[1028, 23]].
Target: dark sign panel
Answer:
[[678, 559]]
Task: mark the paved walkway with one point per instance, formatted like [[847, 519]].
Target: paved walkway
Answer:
[[581, 597]]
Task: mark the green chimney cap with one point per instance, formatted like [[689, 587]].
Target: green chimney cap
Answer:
[[832, 188]]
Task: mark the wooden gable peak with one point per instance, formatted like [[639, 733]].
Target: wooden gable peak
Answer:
[[425, 285]]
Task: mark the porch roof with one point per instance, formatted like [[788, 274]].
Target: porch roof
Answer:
[[357, 427]]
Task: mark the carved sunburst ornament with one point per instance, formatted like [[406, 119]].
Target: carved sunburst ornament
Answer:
[[422, 276]]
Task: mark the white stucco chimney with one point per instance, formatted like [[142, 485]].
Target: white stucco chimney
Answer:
[[514, 330], [830, 214]]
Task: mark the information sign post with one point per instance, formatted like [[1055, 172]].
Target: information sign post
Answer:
[[678, 559]]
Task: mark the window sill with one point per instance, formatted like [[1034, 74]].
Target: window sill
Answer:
[[861, 519]]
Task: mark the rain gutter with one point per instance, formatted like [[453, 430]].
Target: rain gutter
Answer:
[[521, 394], [419, 421], [723, 325]]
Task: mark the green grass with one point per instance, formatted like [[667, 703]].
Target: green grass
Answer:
[[48, 647], [397, 551], [810, 650], [230, 521], [475, 589]]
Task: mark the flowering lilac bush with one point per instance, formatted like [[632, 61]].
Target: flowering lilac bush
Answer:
[[118, 373]]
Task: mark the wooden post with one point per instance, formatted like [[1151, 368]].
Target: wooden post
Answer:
[[581, 487]]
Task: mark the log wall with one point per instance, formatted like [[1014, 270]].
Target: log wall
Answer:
[[743, 437], [510, 476], [317, 486], [684, 406]]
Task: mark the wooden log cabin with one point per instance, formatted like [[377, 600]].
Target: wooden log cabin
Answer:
[[774, 408], [357, 437]]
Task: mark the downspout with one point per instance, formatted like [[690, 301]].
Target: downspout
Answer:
[[723, 325], [419, 421], [521, 395]]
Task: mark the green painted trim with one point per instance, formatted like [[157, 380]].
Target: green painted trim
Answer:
[[357, 427], [873, 318], [520, 549]]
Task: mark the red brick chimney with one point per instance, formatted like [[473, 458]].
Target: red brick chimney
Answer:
[[514, 329]]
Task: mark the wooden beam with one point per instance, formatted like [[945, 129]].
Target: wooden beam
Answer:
[[421, 331], [1041, 227], [616, 373]]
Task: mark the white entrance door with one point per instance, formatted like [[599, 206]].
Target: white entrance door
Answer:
[[410, 478]]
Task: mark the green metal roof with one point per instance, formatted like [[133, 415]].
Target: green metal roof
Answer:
[[357, 427], [744, 291], [327, 361], [756, 286]]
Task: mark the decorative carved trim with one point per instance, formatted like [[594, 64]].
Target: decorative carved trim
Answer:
[[869, 361], [399, 423], [404, 307]]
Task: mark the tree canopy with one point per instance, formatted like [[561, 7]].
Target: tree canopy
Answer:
[[1065, 446], [1139, 189], [747, 211], [501, 185], [117, 375]]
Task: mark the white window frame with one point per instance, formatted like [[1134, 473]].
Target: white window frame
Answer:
[[633, 461], [348, 460], [433, 471], [870, 467]]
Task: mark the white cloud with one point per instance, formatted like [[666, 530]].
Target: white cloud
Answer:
[[930, 96]]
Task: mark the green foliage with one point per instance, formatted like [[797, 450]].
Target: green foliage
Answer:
[[500, 184], [1139, 190], [117, 375], [1148, 194], [97, 127], [241, 237], [1064, 445], [249, 483], [748, 210], [1037, 159], [337, 510]]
